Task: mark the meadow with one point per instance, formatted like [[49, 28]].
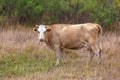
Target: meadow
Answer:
[[22, 58]]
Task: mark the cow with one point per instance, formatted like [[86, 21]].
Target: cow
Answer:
[[71, 36]]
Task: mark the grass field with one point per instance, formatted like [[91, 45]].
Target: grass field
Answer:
[[22, 58]]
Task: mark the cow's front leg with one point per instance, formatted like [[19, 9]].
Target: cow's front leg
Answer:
[[58, 55]]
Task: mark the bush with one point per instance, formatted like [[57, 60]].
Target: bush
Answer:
[[60, 11]]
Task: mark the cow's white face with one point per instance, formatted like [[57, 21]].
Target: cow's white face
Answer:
[[41, 29]]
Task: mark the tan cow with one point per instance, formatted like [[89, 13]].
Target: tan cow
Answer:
[[71, 36]]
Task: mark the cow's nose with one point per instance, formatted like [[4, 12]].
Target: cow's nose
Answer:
[[41, 40]]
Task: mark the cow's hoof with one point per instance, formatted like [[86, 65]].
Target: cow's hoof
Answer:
[[56, 64]]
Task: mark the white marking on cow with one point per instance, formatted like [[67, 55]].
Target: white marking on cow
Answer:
[[64, 28], [78, 25], [41, 31]]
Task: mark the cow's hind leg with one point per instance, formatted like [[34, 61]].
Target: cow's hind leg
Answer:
[[91, 55], [97, 51]]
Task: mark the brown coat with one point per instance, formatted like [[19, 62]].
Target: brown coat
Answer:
[[73, 36]]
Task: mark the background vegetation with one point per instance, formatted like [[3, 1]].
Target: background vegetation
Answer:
[[31, 12]]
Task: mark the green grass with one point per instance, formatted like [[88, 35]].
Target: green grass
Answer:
[[21, 64]]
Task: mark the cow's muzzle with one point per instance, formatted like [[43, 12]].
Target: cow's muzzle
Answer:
[[41, 40]]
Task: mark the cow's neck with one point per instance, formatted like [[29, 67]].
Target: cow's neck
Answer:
[[47, 41]]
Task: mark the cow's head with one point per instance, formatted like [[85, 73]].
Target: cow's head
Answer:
[[41, 29]]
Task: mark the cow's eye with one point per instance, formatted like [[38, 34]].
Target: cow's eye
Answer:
[[45, 31]]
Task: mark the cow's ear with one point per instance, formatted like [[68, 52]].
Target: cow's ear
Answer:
[[35, 29], [48, 29]]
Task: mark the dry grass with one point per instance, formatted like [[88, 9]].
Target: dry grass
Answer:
[[23, 41]]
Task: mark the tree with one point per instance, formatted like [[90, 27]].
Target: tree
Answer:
[[105, 12]]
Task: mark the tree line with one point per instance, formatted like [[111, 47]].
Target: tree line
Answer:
[[104, 12]]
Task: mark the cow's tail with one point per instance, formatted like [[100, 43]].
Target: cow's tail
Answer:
[[99, 37]]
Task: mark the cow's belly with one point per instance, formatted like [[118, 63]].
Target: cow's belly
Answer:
[[74, 45]]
